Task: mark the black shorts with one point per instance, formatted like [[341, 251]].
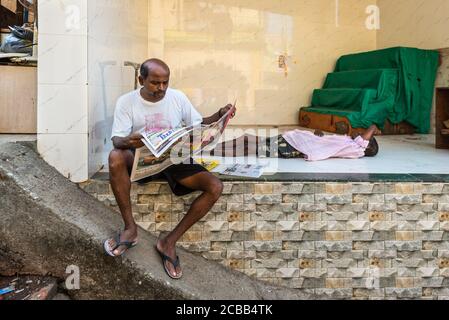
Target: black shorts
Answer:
[[175, 173], [286, 151]]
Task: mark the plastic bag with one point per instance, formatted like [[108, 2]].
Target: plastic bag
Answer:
[[22, 32], [19, 41]]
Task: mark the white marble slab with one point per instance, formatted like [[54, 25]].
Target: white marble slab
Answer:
[[62, 109], [67, 153]]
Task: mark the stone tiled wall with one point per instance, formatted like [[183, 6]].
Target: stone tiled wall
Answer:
[[339, 240]]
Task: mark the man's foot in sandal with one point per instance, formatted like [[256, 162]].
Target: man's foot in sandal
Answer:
[[119, 244], [170, 260]]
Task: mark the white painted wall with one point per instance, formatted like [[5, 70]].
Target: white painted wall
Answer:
[[62, 87], [82, 48]]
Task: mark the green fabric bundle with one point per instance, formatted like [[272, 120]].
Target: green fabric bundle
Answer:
[[395, 84]]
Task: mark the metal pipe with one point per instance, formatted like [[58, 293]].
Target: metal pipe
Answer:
[[136, 67]]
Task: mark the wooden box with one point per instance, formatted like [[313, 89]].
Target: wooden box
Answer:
[[442, 115], [18, 99]]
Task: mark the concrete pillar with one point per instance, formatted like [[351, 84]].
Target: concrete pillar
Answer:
[[62, 87]]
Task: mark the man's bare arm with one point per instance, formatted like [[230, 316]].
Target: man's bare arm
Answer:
[[212, 119], [217, 115], [132, 141], [370, 132]]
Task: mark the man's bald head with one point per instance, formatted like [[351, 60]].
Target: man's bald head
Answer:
[[153, 65], [154, 79]]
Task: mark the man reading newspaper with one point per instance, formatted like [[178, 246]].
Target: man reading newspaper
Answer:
[[156, 106], [166, 147]]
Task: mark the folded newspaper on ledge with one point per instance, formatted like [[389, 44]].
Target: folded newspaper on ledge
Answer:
[[243, 170], [165, 148]]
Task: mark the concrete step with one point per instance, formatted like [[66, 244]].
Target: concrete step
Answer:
[[48, 225]]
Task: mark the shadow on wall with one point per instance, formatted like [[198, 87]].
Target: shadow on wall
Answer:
[[443, 71], [441, 81]]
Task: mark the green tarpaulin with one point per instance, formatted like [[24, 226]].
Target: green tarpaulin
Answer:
[[395, 84]]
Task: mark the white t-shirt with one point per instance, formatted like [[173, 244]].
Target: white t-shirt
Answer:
[[132, 113]]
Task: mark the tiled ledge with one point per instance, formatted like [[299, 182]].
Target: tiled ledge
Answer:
[[328, 177], [354, 240]]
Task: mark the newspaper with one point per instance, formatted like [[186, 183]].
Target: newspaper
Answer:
[[208, 164], [244, 170], [160, 141], [165, 148]]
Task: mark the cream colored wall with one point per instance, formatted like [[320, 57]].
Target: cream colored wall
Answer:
[[223, 50], [415, 23]]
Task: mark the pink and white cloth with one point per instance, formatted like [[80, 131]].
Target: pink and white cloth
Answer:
[[317, 148]]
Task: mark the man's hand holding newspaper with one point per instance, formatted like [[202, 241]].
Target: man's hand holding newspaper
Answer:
[[159, 148], [135, 140]]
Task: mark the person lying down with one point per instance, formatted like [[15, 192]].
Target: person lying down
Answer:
[[302, 144]]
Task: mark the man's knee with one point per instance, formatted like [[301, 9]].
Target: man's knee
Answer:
[[117, 160], [215, 188]]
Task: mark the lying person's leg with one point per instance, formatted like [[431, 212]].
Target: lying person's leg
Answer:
[[247, 145]]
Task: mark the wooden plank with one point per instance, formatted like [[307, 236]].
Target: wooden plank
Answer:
[[18, 99], [442, 115], [9, 4]]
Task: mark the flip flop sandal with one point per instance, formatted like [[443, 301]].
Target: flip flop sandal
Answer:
[[175, 264], [118, 243]]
